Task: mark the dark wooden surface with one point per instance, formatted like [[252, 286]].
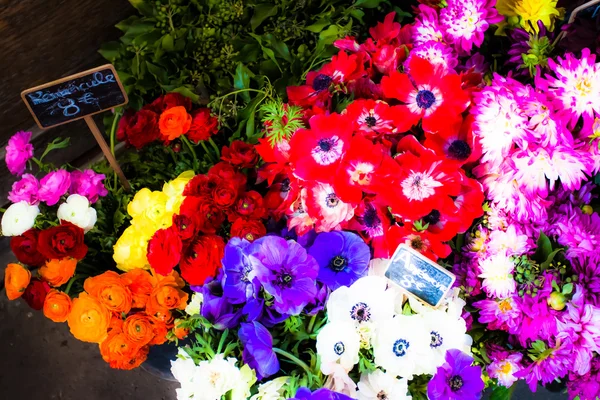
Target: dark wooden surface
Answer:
[[41, 41]]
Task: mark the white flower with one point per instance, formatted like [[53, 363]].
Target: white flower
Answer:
[[338, 342], [366, 301], [272, 390], [193, 307], [77, 211], [377, 267], [445, 332], [19, 218], [509, 241], [496, 272], [379, 385], [401, 346], [242, 389], [338, 380], [184, 370]]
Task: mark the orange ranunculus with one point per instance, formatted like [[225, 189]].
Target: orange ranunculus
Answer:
[[57, 306], [121, 353], [16, 280], [140, 282], [166, 296], [115, 325], [110, 290], [88, 319], [58, 272], [179, 331], [174, 122], [139, 329], [160, 331]]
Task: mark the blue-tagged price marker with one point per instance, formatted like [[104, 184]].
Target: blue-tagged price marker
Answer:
[[419, 276], [75, 96]]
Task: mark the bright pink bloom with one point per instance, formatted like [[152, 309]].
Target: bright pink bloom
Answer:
[[427, 27], [18, 152], [25, 189], [372, 118], [53, 186], [437, 53], [326, 208], [89, 184]]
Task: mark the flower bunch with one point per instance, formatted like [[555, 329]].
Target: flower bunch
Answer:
[[390, 162], [150, 211], [194, 240], [167, 118]]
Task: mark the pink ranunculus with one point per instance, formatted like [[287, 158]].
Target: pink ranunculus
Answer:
[[25, 189], [18, 152], [53, 186], [89, 184]]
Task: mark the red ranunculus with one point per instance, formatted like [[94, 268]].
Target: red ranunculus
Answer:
[[35, 294], [225, 195], [202, 185], [167, 101], [240, 154], [25, 248], [227, 172], [65, 240], [186, 225], [250, 205], [208, 217], [202, 259], [248, 229], [203, 126], [139, 129], [164, 250]]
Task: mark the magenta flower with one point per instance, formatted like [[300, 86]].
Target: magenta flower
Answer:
[[436, 53], [25, 189], [503, 367], [456, 379], [539, 319], [427, 27], [18, 152], [89, 184], [53, 186], [554, 362], [585, 386], [502, 314]]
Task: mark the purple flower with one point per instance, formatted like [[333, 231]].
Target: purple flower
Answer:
[[321, 394], [305, 240], [239, 272], [500, 314], [256, 309], [554, 362], [89, 184], [258, 349], [216, 308], [25, 189], [343, 258], [456, 379], [286, 272], [585, 386], [18, 152], [588, 269], [53, 186], [539, 319]]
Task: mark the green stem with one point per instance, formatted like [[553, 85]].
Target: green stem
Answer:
[[311, 324], [73, 279], [191, 149], [2, 210], [296, 361], [207, 151], [214, 145], [222, 341]]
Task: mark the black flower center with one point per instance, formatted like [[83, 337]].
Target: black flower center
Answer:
[[338, 263], [436, 340], [339, 348], [370, 218], [400, 347], [370, 121], [432, 218], [382, 395], [321, 82], [325, 144], [425, 99], [416, 243], [285, 185], [459, 150], [455, 383], [284, 280], [245, 272], [332, 200], [360, 312]]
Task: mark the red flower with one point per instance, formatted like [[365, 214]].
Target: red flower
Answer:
[[25, 248], [387, 58], [186, 225], [372, 118], [372, 221], [139, 129], [344, 69], [35, 293], [65, 240], [314, 93], [276, 159], [429, 94], [470, 202], [424, 242], [326, 208], [280, 196], [207, 216], [459, 147], [249, 205], [201, 185], [203, 126], [202, 259], [227, 172], [316, 152], [164, 250], [298, 217], [225, 194], [386, 31], [169, 100], [240, 154], [248, 229]]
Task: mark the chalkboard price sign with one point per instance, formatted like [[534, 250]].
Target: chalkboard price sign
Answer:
[[75, 96], [419, 276]]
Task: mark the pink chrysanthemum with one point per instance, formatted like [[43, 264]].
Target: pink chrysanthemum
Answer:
[[437, 53], [554, 363], [575, 87], [465, 22], [504, 369], [427, 27], [500, 314]]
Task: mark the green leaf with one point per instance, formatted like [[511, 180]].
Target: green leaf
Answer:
[[250, 125], [502, 393], [110, 51], [187, 92], [143, 7], [544, 266], [544, 248], [368, 3], [262, 12], [281, 49], [168, 42], [358, 14], [241, 80], [318, 26], [57, 143], [159, 73], [567, 289]]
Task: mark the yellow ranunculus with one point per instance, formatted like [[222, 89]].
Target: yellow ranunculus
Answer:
[[148, 210], [131, 249], [174, 191], [529, 12]]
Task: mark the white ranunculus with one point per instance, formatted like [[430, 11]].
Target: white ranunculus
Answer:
[[272, 390], [19, 218], [366, 301], [401, 346], [338, 380], [193, 307], [241, 391], [338, 342], [184, 370], [380, 385], [77, 211]]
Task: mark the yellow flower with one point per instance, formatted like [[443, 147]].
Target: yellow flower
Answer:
[[130, 251], [174, 191], [527, 13], [148, 210]]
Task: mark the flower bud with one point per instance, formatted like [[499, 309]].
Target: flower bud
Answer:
[[557, 301]]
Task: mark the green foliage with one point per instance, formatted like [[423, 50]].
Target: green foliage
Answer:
[[500, 392], [281, 120]]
